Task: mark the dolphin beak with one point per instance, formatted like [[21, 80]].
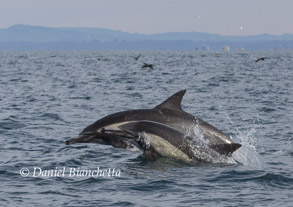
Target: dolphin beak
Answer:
[[83, 138], [100, 138]]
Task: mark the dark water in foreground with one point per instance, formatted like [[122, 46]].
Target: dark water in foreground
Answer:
[[48, 97]]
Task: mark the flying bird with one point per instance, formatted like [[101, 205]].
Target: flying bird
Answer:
[[261, 59], [137, 57], [150, 66]]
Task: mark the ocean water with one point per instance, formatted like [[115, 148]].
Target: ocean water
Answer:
[[48, 97]]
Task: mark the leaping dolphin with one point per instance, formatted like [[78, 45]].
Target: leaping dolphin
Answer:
[[158, 139], [170, 113]]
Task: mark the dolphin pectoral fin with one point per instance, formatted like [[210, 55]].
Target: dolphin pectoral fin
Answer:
[[173, 102], [226, 149]]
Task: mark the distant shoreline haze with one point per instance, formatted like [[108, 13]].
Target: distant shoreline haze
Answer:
[[25, 37]]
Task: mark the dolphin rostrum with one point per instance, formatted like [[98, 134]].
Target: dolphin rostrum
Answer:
[[169, 113]]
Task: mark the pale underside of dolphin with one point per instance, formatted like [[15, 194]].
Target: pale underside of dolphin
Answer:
[[168, 115]]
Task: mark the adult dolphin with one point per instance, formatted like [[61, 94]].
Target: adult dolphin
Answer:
[[169, 113], [157, 139]]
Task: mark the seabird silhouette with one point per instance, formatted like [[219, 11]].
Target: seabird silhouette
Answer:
[[150, 66], [261, 59], [137, 57]]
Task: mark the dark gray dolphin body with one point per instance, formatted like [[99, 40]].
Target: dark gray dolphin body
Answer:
[[158, 139], [169, 113]]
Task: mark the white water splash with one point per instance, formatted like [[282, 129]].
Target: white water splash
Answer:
[[206, 152], [247, 154], [199, 136]]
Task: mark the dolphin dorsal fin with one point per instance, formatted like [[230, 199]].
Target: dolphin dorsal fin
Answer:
[[173, 102]]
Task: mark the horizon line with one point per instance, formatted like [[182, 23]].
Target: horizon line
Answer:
[[91, 27]]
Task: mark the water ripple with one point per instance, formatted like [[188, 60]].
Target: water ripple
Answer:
[[48, 97]]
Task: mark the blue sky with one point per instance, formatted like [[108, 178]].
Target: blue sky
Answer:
[[226, 17]]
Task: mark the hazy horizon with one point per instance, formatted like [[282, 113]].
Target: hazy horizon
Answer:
[[89, 27], [226, 17]]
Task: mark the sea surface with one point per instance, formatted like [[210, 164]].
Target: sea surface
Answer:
[[47, 97]]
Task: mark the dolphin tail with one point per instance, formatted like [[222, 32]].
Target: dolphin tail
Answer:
[[226, 149]]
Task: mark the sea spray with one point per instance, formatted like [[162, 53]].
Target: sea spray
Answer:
[[247, 154]]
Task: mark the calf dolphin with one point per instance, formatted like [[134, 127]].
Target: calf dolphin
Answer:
[[158, 139], [169, 113]]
